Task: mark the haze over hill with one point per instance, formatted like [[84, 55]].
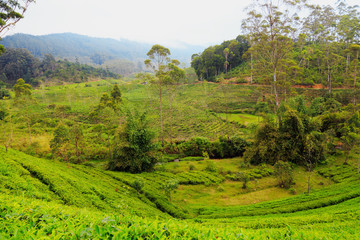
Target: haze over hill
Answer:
[[88, 49]]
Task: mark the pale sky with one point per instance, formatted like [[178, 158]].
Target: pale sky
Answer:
[[200, 22]]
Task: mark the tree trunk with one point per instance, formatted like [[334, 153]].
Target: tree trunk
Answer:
[[309, 176], [29, 129], [329, 79], [109, 144], [275, 90], [161, 118], [252, 67], [355, 71]]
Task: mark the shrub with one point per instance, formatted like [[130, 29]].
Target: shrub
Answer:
[[137, 185], [293, 191], [243, 177], [134, 151], [284, 174], [210, 166]]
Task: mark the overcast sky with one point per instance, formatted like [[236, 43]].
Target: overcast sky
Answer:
[[168, 22]]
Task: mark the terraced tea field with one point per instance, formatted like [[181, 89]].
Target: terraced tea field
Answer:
[[45, 199]]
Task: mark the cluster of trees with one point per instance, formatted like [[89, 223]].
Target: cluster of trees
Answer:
[[286, 49], [20, 63], [167, 75], [303, 134], [224, 147], [220, 58]]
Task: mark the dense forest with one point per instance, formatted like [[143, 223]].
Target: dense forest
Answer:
[[20, 63]]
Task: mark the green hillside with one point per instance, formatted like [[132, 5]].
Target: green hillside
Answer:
[[49, 199]]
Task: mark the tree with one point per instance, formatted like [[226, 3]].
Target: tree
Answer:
[[244, 177], [356, 50], [24, 100], [217, 59], [76, 137], [226, 53], [22, 89], [265, 145], [170, 186], [167, 73], [116, 94], [12, 12], [313, 152], [271, 29], [158, 60], [177, 76], [348, 28], [134, 150], [350, 134], [60, 143], [284, 174]]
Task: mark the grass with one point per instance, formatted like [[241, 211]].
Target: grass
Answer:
[[231, 193]]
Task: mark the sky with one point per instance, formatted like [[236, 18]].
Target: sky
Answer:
[[168, 22]]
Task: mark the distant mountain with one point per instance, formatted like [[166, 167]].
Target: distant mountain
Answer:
[[90, 49]]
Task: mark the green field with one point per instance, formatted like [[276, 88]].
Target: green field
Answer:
[[49, 200]]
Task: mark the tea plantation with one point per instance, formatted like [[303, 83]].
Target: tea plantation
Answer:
[[46, 199]]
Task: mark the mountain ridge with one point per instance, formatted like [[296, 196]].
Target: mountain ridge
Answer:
[[82, 48]]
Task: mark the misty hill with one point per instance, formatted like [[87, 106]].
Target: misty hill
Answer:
[[90, 49]]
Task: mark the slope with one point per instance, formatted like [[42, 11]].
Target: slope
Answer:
[[41, 198]]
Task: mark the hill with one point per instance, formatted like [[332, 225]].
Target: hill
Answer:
[[90, 49], [47, 199]]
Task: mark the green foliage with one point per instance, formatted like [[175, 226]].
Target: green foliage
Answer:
[[219, 58], [265, 145], [22, 89], [286, 141], [134, 150], [243, 177], [169, 187], [4, 93], [116, 94], [222, 148], [138, 185], [210, 166], [262, 107], [33, 193], [59, 143], [284, 174], [350, 134], [20, 63]]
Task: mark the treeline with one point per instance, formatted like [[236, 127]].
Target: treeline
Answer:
[[321, 46], [219, 58], [20, 63]]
